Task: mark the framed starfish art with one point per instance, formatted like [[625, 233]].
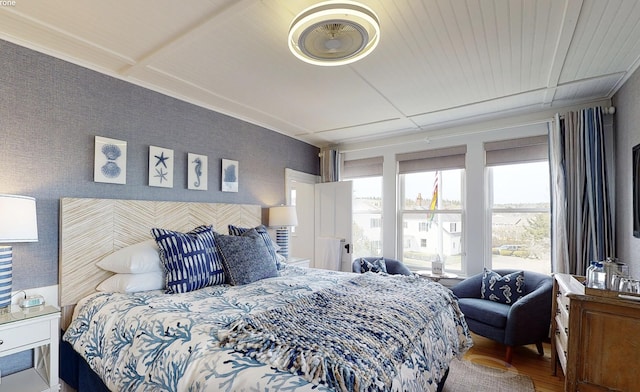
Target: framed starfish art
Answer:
[[160, 167]]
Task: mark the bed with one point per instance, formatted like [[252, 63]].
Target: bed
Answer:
[[299, 329]]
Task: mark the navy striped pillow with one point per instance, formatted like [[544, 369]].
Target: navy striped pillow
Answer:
[[262, 230], [191, 260]]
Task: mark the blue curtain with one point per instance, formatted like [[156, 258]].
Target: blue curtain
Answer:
[[582, 225]]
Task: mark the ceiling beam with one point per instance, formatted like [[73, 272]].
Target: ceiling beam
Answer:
[[569, 22], [186, 34]]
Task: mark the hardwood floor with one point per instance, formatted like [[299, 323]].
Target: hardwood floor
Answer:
[[525, 361]]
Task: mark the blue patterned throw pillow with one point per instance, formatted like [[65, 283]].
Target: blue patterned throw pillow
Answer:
[[262, 230], [377, 265], [245, 258], [191, 260], [505, 289]]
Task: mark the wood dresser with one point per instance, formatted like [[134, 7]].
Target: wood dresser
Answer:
[[596, 337]]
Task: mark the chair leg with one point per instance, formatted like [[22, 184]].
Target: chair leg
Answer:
[[540, 348], [509, 354]]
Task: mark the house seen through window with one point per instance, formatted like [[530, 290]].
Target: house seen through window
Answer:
[[432, 218], [367, 216]]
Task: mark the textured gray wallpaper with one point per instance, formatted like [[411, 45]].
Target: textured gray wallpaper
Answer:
[[50, 112], [627, 120]]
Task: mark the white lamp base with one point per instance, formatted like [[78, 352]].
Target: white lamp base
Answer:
[[6, 275], [282, 239]]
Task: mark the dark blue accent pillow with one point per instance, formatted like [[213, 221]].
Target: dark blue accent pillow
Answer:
[[191, 260], [377, 265], [262, 230], [505, 289], [245, 258]]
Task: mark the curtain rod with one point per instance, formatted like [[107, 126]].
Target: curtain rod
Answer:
[[605, 110]]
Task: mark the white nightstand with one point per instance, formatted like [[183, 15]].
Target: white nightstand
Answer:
[[298, 261], [34, 328]]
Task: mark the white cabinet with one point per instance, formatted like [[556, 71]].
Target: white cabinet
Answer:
[[32, 328]]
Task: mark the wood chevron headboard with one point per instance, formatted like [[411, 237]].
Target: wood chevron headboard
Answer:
[[90, 229]]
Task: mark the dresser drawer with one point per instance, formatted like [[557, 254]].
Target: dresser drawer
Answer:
[[562, 334], [25, 334], [562, 313], [563, 302], [562, 354]]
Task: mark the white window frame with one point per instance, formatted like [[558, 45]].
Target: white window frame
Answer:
[[510, 152]]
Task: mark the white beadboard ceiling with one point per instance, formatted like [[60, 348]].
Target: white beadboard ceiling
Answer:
[[439, 63]]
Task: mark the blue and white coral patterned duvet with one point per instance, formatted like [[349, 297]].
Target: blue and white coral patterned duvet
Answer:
[[211, 339]]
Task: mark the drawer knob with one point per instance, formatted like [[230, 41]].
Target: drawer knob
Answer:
[[566, 331], [1, 341], [567, 307]]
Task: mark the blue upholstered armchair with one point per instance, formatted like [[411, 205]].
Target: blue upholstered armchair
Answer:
[[526, 321], [393, 267]]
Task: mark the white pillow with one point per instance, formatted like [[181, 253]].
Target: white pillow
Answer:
[[132, 283], [134, 259]]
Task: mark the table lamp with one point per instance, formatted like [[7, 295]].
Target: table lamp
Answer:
[[283, 217], [18, 223]]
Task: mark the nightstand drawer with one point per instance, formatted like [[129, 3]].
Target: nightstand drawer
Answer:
[[24, 334]]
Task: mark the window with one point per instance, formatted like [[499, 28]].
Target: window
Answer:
[[429, 220], [367, 217], [431, 208], [366, 175], [520, 205]]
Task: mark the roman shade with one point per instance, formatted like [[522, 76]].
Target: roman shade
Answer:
[[521, 150], [367, 167], [430, 160]]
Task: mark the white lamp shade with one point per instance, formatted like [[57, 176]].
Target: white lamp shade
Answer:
[[282, 216], [18, 222]]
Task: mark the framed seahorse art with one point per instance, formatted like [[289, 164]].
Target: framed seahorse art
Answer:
[[197, 172]]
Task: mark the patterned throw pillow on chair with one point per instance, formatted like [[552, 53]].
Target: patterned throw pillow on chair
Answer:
[[377, 265], [505, 289]]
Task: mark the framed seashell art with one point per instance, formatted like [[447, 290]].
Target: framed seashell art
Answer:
[[110, 161]]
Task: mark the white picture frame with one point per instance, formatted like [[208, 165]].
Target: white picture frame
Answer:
[[197, 173], [160, 167], [110, 160], [229, 178]]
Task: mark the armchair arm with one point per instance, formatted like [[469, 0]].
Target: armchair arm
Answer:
[[468, 288], [529, 319], [396, 267]]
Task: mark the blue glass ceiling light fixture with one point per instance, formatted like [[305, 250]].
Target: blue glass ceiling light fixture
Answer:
[[334, 33], [18, 223]]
